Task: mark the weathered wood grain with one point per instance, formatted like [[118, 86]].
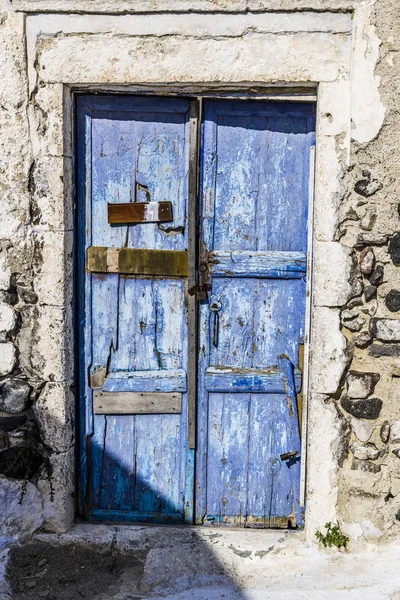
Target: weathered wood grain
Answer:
[[165, 380], [254, 203], [247, 380], [136, 403], [135, 147], [275, 265]]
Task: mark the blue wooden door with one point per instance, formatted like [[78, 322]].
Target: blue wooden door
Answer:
[[254, 201], [135, 463]]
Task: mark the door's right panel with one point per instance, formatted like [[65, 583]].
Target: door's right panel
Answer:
[[255, 173]]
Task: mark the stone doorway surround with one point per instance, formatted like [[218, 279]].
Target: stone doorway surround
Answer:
[[327, 48]]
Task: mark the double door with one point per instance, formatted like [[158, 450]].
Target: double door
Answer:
[[191, 271]]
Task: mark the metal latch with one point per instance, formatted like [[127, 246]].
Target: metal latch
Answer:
[[200, 291], [288, 455]]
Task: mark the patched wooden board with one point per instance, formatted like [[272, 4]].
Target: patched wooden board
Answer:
[[133, 261], [136, 403], [139, 212]]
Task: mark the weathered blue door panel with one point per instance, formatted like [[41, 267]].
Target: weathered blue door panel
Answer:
[[134, 467], [253, 237], [255, 172]]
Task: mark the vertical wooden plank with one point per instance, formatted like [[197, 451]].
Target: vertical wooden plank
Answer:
[[83, 289], [192, 278], [227, 465], [307, 328], [262, 461]]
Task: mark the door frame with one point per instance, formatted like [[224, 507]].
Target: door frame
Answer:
[[197, 94]]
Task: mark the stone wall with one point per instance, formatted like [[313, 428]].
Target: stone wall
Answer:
[[368, 400], [354, 418]]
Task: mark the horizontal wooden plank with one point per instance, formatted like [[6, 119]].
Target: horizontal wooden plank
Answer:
[[254, 381], [282, 265], [139, 212], [146, 381], [136, 403], [132, 261]]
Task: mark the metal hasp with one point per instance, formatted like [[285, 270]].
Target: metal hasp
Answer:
[[131, 261], [139, 212]]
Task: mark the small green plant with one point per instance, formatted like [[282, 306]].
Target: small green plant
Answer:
[[333, 536]]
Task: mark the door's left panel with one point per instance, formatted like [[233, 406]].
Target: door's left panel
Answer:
[[133, 467]]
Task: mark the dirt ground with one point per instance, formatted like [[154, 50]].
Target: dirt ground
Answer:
[[71, 572]]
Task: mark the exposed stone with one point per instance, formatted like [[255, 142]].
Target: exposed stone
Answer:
[[386, 330], [366, 451], [369, 292], [362, 409], [377, 275], [355, 324], [370, 309], [8, 358], [331, 348], [394, 248], [368, 221], [395, 432], [10, 423], [384, 432], [353, 303], [365, 465], [20, 516], [361, 385], [348, 315], [396, 452], [14, 395], [370, 239], [54, 406], [367, 187], [367, 260], [362, 428], [8, 317], [385, 350], [392, 300], [362, 340]]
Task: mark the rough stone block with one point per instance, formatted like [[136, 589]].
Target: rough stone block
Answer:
[[385, 350], [395, 432], [8, 317], [362, 409], [45, 343], [58, 496], [361, 385], [392, 301], [366, 451], [8, 358], [394, 248], [367, 260], [377, 275], [54, 415], [369, 292], [384, 432], [19, 520], [385, 330], [329, 357], [53, 282], [363, 429], [362, 340], [332, 270], [14, 395]]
